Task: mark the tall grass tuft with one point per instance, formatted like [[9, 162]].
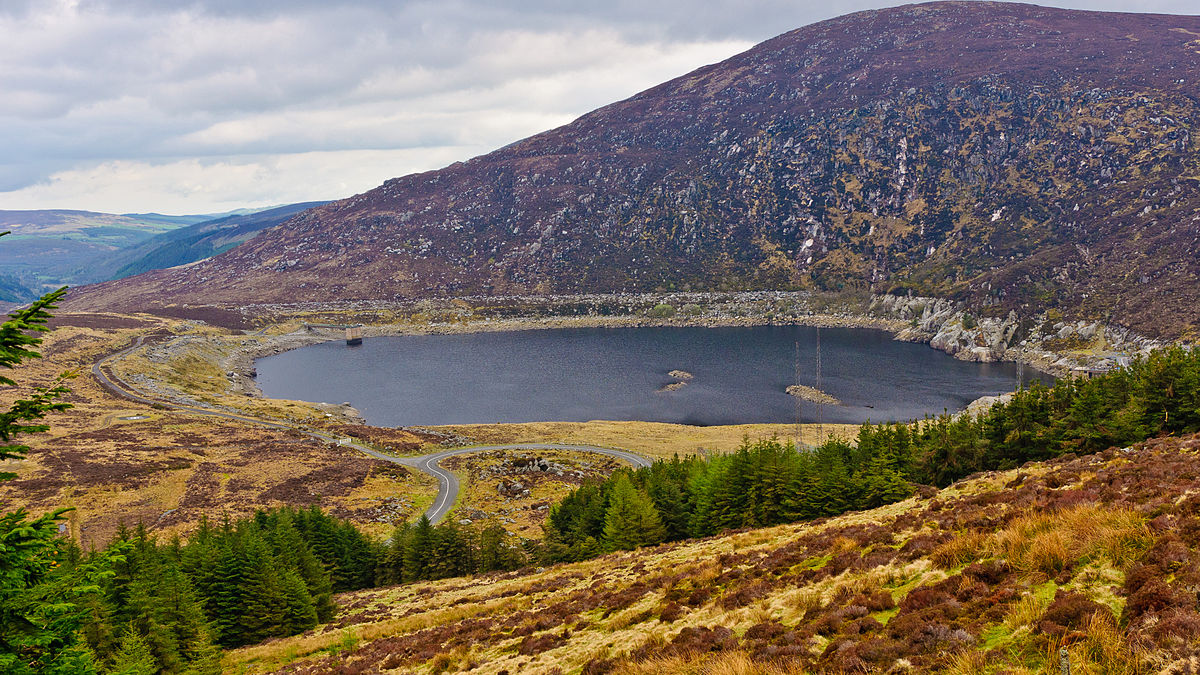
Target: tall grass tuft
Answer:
[[1052, 542], [1103, 650], [968, 662], [966, 547]]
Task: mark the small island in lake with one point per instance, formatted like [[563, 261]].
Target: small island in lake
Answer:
[[812, 394], [681, 378]]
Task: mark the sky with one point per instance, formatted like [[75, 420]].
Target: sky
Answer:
[[204, 106]]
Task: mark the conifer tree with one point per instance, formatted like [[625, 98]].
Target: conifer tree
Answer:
[[418, 556], [300, 613], [492, 554], [450, 555], [391, 569], [266, 607], [226, 601], [40, 615], [134, 656], [631, 520]]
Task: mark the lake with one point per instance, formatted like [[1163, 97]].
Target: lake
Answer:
[[739, 376]]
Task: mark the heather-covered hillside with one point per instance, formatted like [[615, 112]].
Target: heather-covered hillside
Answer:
[[1099, 554], [1011, 155]]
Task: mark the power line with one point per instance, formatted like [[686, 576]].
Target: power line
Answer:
[[796, 366], [820, 404]]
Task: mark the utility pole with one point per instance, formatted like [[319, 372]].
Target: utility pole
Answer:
[[820, 406], [796, 367]]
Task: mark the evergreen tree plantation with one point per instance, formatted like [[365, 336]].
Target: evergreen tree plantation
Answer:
[[770, 482]]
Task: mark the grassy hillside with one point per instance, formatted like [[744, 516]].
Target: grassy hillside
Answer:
[[1095, 554], [198, 241], [51, 248]]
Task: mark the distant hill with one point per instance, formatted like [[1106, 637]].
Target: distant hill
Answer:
[[13, 291], [199, 241], [51, 248], [1013, 156]]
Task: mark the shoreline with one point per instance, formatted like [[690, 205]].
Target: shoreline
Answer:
[[940, 324]]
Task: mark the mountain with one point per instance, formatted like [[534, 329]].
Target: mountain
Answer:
[[51, 248], [200, 240], [1009, 155], [14, 292]]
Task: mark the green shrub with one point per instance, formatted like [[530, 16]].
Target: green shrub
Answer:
[[662, 311]]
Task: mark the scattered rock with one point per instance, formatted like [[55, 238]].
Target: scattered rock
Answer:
[[512, 489]]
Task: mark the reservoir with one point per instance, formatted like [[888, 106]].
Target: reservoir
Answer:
[[739, 375]]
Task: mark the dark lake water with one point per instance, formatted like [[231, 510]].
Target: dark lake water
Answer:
[[581, 374]]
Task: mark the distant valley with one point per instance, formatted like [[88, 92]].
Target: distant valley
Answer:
[[51, 248]]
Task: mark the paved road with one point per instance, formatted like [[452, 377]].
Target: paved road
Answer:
[[448, 487]]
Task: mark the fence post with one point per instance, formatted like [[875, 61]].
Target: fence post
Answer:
[[1064, 661]]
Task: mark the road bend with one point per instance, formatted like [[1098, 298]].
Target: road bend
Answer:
[[448, 485]]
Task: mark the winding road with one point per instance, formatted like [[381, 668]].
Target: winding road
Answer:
[[448, 486]]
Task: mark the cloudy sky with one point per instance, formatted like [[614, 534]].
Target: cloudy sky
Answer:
[[204, 106]]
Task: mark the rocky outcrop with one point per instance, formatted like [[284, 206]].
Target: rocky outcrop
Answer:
[[1045, 340]]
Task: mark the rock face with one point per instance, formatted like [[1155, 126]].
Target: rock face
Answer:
[[1041, 339], [1010, 156]]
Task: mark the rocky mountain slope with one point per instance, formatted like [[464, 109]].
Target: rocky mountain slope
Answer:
[[1009, 155]]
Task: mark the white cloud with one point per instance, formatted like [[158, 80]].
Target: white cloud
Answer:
[[210, 186]]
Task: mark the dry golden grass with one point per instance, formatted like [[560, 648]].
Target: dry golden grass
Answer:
[[653, 439], [1025, 612], [453, 661], [1048, 543], [1102, 650], [421, 606], [969, 662], [965, 547], [271, 655], [733, 663]]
